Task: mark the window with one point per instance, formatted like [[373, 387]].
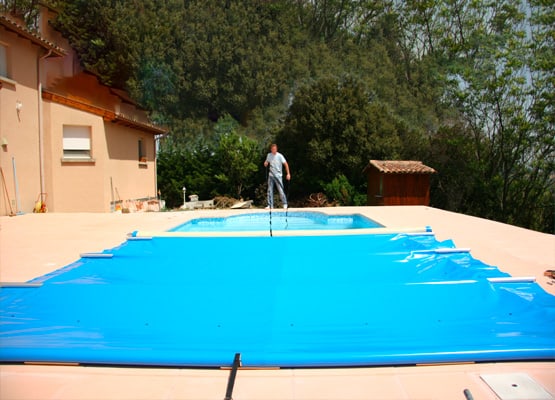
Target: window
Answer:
[[77, 142], [4, 61], [142, 154]]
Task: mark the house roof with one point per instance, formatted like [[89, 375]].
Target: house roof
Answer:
[[124, 96], [400, 167], [107, 115], [31, 35]]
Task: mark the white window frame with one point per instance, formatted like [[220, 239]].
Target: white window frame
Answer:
[[77, 143]]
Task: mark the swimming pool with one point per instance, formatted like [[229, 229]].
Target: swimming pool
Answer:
[[290, 301], [277, 220]]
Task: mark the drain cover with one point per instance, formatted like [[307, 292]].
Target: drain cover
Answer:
[[516, 386]]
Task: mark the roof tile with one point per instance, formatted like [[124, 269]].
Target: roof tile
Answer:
[[401, 167]]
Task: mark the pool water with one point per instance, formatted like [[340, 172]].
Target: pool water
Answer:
[[277, 220], [289, 301]]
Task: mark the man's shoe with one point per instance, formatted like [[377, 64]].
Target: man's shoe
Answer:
[[267, 208], [285, 206]]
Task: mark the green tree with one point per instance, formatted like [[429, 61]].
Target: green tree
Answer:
[[342, 192], [452, 154], [193, 169], [25, 10], [238, 158], [235, 56], [334, 127], [492, 98], [92, 30], [485, 55], [441, 81], [329, 20], [539, 195]]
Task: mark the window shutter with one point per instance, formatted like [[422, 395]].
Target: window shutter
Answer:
[[77, 138]]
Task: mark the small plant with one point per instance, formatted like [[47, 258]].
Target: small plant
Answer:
[[340, 190]]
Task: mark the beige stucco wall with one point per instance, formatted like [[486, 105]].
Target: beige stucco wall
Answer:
[[73, 186], [115, 172], [130, 178], [19, 130]]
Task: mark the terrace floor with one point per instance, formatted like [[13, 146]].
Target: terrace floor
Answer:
[[32, 245]]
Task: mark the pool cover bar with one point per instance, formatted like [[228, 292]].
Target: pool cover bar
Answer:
[[303, 301], [295, 233]]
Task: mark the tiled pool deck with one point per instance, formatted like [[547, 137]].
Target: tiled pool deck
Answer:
[[32, 245]]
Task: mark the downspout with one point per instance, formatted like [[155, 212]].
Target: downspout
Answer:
[[41, 128], [156, 145]]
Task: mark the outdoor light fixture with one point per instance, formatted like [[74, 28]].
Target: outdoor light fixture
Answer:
[[18, 107]]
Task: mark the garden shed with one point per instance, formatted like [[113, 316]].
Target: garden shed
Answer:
[[398, 183]]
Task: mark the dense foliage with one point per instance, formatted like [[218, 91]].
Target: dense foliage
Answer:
[[467, 87]]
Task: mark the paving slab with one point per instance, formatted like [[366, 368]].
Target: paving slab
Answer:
[[32, 245]]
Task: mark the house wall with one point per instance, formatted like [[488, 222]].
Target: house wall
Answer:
[[115, 173], [56, 67], [70, 96], [73, 186], [19, 131], [398, 189], [130, 178]]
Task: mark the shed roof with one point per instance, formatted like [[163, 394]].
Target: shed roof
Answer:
[[33, 36], [400, 167]]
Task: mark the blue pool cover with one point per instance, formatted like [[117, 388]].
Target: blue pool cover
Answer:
[[279, 301]]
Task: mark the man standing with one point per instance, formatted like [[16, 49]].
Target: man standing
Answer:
[[276, 161]]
